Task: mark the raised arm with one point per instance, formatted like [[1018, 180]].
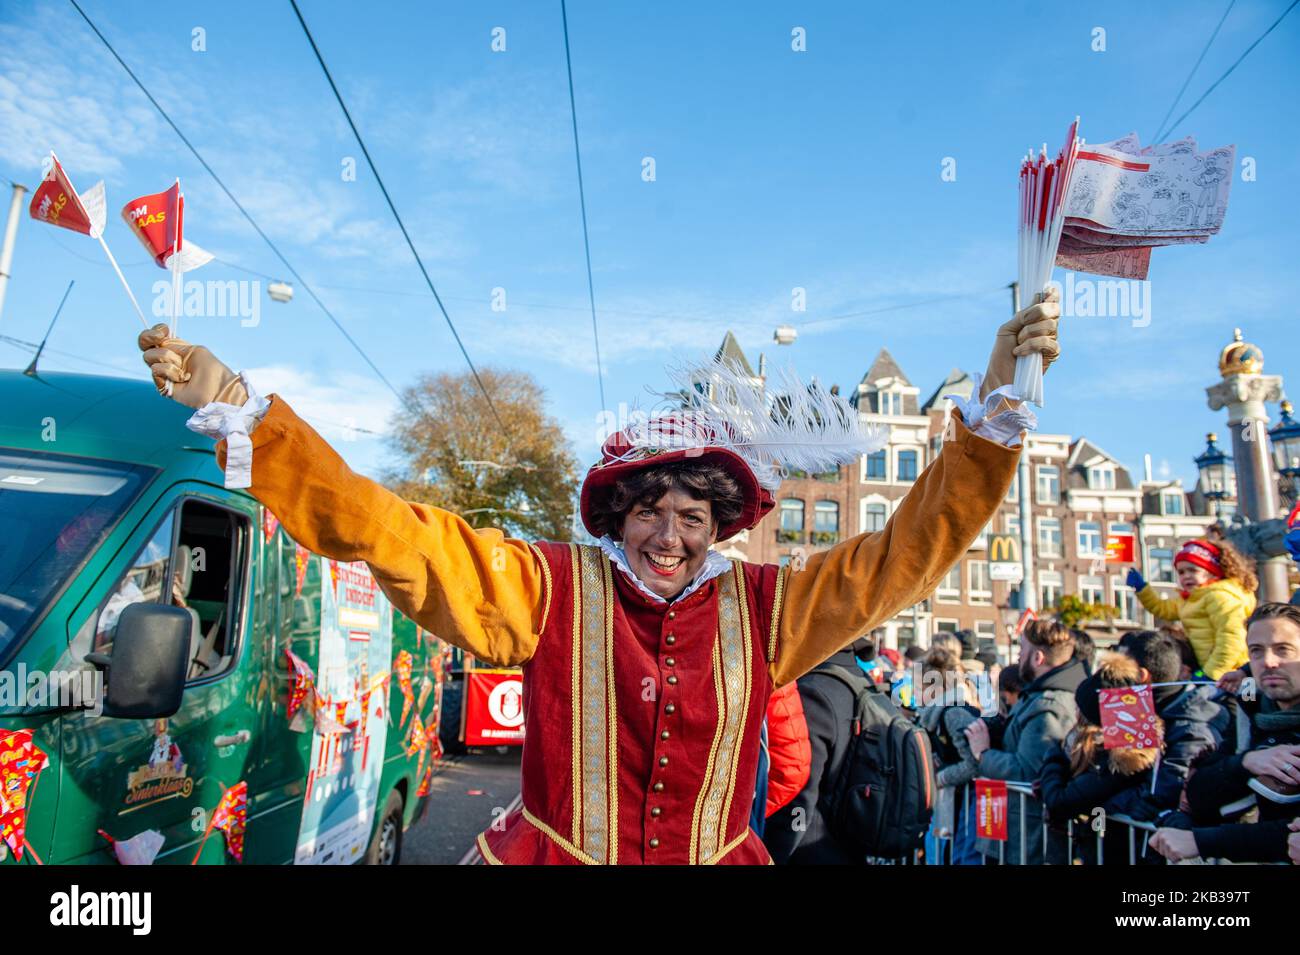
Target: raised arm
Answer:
[[474, 588], [844, 592]]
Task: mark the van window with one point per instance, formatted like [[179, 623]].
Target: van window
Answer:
[[199, 566], [54, 510]]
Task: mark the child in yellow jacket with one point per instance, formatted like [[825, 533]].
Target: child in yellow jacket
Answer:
[[1217, 595]]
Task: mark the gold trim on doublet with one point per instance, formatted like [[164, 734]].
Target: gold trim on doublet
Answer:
[[596, 707]]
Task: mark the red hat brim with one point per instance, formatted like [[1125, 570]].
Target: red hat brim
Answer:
[[602, 477]]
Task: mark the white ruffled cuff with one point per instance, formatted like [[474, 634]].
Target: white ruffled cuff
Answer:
[[219, 420], [1005, 426]]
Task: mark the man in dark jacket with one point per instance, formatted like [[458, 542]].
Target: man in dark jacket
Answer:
[[1195, 724], [798, 833], [1043, 715], [1269, 772]]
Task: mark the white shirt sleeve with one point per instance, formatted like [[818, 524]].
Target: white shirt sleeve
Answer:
[[1003, 426], [218, 420]]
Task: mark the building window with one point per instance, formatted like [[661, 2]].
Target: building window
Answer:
[[826, 522], [890, 403], [1173, 503], [1161, 564], [1049, 485], [1119, 527], [907, 465], [1013, 492], [949, 589], [1012, 524], [876, 467], [1049, 588], [791, 520], [981, 542], [874, 517], [1123, 597], [986, 634], [1049, 537], [944, 626], [981, 584], [1092, 590], [1101, 478], [1089, 539]]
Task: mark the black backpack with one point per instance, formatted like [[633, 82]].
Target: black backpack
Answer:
[[881, 802], [945, 749]]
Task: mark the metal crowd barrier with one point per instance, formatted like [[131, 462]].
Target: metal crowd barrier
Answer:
[[1024, 792]]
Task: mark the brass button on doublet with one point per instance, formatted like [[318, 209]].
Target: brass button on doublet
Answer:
[[670, 639], [659, 787], [672, 614], [654, 843], [670, 708], [655, 811], [672, 680], [671, 661], [663, 760], [663, 735]]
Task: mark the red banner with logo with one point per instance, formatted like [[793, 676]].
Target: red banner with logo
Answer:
[[494, 708], [1120, 549], [991, 809]]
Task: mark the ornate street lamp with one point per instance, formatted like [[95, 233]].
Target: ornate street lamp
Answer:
[[1286, 452], [1215, 469]]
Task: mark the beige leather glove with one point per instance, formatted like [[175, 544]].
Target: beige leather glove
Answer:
[[188, 373], [1031, 329]]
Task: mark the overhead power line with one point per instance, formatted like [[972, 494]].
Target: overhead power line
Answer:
[[1228, 71], [392, 208], [1195, 66], [231, 196], [582, 200]]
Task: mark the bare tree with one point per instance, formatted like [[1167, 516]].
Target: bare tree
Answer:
[[455, 456]]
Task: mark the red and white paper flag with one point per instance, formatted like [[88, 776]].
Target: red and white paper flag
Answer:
[[1128, 718], [158, 221], [1044, 186], [57, 202]]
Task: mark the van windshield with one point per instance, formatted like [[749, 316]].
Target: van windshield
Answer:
[[54, 512]]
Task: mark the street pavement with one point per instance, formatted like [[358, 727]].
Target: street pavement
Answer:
[[465, 795]]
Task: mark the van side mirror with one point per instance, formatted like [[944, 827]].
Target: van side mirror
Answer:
[[145, 674]]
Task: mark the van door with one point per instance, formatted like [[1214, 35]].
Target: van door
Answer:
[[127, 776]]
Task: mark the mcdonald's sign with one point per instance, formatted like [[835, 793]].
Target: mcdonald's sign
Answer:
[[1004, 558], [1003, 548]]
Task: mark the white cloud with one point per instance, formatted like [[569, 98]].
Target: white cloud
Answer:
[[336, 406]]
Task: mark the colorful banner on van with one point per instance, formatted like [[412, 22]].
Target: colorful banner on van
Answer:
[[347, 754]]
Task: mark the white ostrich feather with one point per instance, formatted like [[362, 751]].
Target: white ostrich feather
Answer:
[[794, 426]]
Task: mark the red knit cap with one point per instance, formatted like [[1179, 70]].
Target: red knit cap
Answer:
[[1203, 554]]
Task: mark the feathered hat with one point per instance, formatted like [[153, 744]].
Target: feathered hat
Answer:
[[727, 418]]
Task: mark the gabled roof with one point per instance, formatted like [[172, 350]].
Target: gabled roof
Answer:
[[730, 350], [958, 382], [884, 367], [1082, 452]]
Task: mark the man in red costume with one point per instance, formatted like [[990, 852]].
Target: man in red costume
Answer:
[[648, 657]]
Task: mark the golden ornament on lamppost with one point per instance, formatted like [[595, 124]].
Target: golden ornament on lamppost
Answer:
[[1240, 357]]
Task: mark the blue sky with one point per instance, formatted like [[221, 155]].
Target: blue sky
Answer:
[[774, 170]]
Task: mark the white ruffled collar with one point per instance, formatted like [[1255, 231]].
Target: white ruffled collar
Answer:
[[715, 565]]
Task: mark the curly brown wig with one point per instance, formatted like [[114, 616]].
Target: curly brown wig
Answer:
[[704, 482], [1237, 567]]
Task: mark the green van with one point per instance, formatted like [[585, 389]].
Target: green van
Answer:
[[145, 611]]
